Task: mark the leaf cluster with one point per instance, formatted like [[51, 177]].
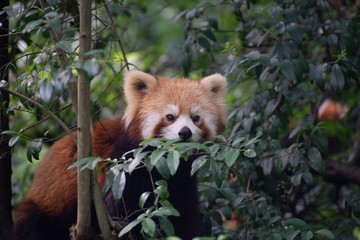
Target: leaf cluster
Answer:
[[165, 158]]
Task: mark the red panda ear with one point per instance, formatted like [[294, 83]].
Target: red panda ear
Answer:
[[136, 86], [216, 83]]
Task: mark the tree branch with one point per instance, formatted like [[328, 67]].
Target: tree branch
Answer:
[[341, 173], [100, 208], [51, 114]]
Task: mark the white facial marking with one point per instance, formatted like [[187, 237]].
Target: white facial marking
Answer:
[[172, 131], [152, 119], [172, 109], [149, 123]]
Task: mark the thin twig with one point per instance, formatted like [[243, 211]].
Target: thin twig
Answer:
[[43, 119], [62, 124], [116, 35]]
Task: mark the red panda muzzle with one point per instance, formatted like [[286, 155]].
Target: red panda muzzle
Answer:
[[185, 133]]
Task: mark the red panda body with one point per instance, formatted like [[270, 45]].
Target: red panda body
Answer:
[[157, 107]]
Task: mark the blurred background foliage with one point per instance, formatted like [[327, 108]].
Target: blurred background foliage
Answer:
[[293, 71]]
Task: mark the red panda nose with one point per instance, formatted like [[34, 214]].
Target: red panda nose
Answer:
[[185, 133]]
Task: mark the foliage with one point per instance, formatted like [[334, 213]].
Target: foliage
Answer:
[[282, 60], [218, 161]]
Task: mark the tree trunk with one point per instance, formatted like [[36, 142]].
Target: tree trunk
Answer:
[[84, 230], [5, 153]]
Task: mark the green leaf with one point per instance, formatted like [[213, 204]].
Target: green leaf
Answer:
[[231, 156], [128, 227], [293, 235], [275, 12], [253, 55], [55, 24], [237, 141], [92, 68], [274, 219], [307, 121], [250, 153], [46, 90], [325, 233], [173, 161], [162, 192], [10, 11], [9, 132], [51, 15], [36, 146], [307, 235], [154, 158], [135, 162], [162, 168], [213, 23], [166, 226], [337, 78], [295, 32], [147, 141], [296, 179], [195, 145], [209, 35], [318, 74], [142, 200], [81, 162], [213, 150], [148, 226], [28, 154], [295, 157], [296, 222], [32, 25], [169, 143], [307, 176], [197, 164], [91, 164], [267, 165], [161, 183], [119, 185], [175, 238], [65, 45], [204, 43], [320, 140], [315, 160], [288, 70], [13, 140], [166, 211], [218, 179], [251, 141], [332, 40]]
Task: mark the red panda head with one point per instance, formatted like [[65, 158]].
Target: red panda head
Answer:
[[175, 108]]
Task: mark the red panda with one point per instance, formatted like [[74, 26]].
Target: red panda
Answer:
[[156, 107], [331, 110]]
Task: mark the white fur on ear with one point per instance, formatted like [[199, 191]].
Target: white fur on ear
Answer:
[[216, 83], [136, 86]]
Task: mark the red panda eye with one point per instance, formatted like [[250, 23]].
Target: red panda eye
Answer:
[[170, 117], [196, 118]]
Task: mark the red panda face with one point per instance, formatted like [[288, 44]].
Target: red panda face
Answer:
[[175, 108]]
